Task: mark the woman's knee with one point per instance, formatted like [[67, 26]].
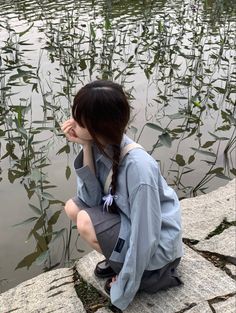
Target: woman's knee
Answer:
[[84, 223], [71, 210]]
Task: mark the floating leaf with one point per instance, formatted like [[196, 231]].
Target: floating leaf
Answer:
[[208, 144], [68, 172], [212, 154], [217, 170], [217, 137], [165, 139], [179, 159], [154, 126], [191, 159]]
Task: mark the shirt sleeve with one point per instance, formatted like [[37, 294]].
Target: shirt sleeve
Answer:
[[144, 239], [89, 189]]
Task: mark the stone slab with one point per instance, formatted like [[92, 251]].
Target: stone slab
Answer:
[[232, 269], [201, 215], [49, 292], [104, 310], [226, 306], [223, 243], [202, 281], [202, 307]]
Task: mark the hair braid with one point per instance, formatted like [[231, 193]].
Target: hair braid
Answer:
[[115, 168]]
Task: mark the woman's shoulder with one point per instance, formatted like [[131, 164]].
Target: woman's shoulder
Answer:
[[141, 167]]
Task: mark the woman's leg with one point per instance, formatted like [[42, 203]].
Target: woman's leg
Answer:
[[84, 224], [72, 210], [86, 230]]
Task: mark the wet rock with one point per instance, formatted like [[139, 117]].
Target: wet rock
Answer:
[[49, 292], [201, 215]]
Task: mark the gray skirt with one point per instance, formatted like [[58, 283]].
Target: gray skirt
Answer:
[[107, 228]]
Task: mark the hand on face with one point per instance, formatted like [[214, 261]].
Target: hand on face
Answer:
[[75, 133]]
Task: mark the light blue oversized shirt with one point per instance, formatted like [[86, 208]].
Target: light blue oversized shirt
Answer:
[[150, 234]]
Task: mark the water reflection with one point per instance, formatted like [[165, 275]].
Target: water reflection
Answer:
[[177, 64]]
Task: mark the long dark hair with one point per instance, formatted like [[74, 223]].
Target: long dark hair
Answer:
[[102, 107]]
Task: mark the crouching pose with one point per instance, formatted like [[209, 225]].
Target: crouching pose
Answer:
[[124, 208]]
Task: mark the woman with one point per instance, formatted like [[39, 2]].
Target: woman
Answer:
[[137, 224]]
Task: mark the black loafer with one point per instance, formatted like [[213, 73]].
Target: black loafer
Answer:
[[103, 270], [107, 286]]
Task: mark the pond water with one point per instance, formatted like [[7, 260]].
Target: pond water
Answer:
[[176, 61]]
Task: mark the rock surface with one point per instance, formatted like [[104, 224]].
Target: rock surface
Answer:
[[206, 288], [202, 307], [226, 306], [201, 215], [232, 269], [49, 292], [202, 281], [222, 244]]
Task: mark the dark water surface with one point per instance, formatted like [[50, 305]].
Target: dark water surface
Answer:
[[175, 59]]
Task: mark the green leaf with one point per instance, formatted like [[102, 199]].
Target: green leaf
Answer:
[[212, 154], [179, 159], [28, 260], [29, 220], [217, 170], [68, 172], [42, 258], [82, 64], [176, 116], [191, 159], [41, 242], [165, 139], [197, 104], [45, 204], [47, 196], [35, 209], [66, 149], [233, 171], [54, 218], [39, 224], [217, 137], [208, 144], [154, 126], [58, 234], [222, 176]]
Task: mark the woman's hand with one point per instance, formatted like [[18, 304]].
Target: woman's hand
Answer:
[[75, 133], [113, 280]]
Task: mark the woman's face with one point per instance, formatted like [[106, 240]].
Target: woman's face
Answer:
[[81, 132]]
